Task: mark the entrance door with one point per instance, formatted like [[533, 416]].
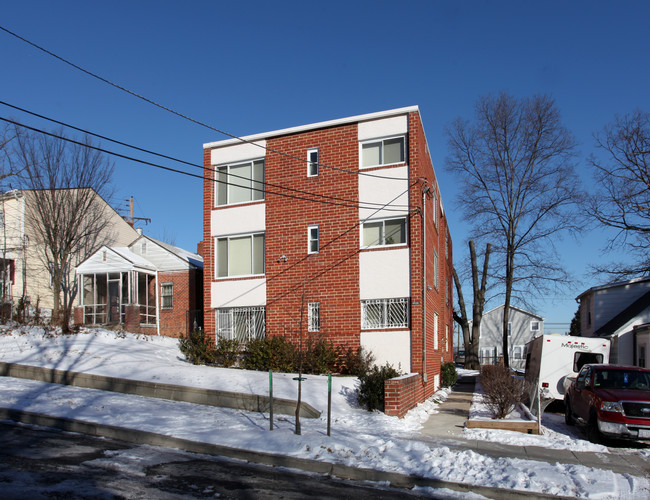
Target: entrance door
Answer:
[[113, 302]]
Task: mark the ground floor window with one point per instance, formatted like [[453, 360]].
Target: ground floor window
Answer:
[[146, 293], [384, 313], [104, 296], [313, 313], [167, 295], [241, 323]]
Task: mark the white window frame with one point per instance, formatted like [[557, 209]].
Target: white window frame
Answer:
[[167, 292], [253, 262], [434, 213], [509, 329], [312, 165], [435, 269], [519, 348], [381, 141], [535, 326], [313, 237], [313, 316], [385, 320], [435, 331], [256, 187], [382, 242]]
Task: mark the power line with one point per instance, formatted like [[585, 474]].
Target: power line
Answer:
[[181, 115], [137, 148], [189, 174]]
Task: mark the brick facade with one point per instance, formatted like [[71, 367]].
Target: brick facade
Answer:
[[293, 277]]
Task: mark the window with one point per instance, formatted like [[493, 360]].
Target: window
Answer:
[[384, 313], [435, 207], [2, 219], [435, 331], [167, 295], [240, 183], [313, 316], [534, 326], [446, 290], [146, 293], [312, 165], [384, 232], [240, 255], [509, 329], [517, 352], [313, 244], [241, 323], [383, 152], [435, 269]]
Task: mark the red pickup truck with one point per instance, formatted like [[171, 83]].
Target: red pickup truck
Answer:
[[610, 400]]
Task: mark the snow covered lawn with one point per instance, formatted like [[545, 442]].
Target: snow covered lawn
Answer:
[[359, 438]]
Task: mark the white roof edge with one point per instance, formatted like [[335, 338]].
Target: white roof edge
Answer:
[[614, 284], [312, 126]]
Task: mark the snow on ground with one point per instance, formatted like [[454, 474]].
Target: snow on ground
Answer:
[[359, 438]]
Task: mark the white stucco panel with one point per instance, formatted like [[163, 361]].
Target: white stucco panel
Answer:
[[391, 186], [389, 347], [384, 127], [239, 293], [384, 274], [238, 152], [239, 220]]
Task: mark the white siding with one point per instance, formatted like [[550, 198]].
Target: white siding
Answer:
[[239, 293], [237, 153], [389, 347], [97, 264], [382, 191], [238, 220], [384, 127], [384, 274], [609, 302], [160, 257]]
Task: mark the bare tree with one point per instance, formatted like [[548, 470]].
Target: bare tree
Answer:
[[471, 339], [622, 197], [65, 183], [515, 162]]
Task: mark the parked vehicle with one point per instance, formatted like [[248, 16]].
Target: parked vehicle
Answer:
[[550, 359], [610, 400], [459, 359]]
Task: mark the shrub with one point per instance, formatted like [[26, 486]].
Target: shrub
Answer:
[[320, 357], [270, 353], [227, 351], [353, 362], [502, 390], [371, 387], [197, 348], [448, 374]]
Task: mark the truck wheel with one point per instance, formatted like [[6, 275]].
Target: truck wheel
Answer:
[[593, 434], [568, 414]]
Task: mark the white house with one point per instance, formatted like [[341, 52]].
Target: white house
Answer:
[[523, 326], [621, 312]]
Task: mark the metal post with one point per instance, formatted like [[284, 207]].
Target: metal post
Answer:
[[539, 411], [271, 399], [329, 402]]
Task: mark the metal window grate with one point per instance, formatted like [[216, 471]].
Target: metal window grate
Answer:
[[384, 313], [241, 323]]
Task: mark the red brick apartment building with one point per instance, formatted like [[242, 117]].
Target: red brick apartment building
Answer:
[[336, 228]]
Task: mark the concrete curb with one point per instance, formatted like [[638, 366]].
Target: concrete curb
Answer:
[[330, 469], [210, 397]]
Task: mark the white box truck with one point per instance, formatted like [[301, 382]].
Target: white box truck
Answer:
[[551, 359]]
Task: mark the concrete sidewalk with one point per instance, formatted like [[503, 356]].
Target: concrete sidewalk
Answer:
[[445, 428]]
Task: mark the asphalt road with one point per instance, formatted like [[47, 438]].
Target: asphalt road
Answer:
[[37, 463]]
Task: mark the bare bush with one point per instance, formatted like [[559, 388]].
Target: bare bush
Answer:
[[502, 390]]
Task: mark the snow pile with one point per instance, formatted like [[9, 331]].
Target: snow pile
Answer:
[[359, 438]]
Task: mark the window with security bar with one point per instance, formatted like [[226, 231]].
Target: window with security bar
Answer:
[[313, 313], [241, 323], [384, 313]]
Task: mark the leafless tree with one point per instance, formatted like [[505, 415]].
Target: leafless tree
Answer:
[[65, 183], [471, 339], [515, 163], [622, 197]]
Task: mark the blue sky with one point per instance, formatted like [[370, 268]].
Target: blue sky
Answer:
[[249, 67]]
